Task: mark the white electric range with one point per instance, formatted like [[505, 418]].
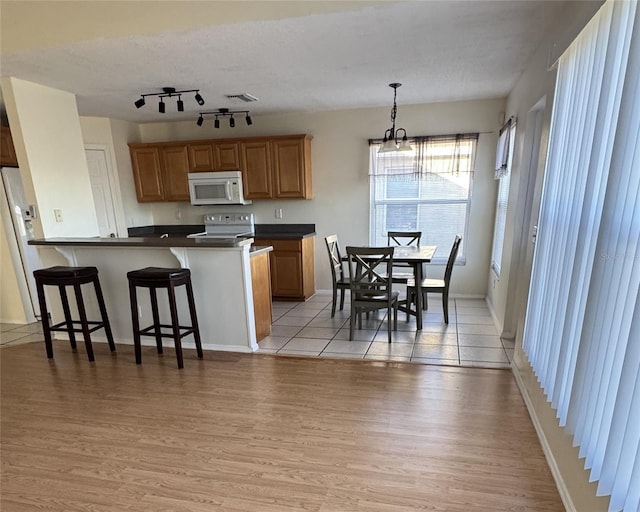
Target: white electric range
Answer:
[[226, 225]]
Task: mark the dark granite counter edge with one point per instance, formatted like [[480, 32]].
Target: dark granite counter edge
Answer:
[[262, 231]]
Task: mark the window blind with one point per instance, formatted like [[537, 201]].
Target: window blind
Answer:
[[582, 328]]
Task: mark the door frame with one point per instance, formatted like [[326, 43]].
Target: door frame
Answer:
[[114, 186]]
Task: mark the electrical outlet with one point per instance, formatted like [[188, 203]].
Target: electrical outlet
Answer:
[[57, 213], [278, 213]]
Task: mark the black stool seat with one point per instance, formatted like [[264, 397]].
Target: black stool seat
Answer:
[[159, 274], [71, 276], [154, 278]]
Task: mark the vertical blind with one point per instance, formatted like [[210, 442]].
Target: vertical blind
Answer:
[[582, 330]]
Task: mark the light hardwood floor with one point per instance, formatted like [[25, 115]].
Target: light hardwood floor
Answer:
[[241, 432]]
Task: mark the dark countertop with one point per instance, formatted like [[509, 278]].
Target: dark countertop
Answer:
[[180, 241], [280, 231], [262, 231]]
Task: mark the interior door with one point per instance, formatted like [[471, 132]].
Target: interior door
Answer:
[[103, 197]]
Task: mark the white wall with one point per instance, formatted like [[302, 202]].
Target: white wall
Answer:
[[46, 133], [340, 159]]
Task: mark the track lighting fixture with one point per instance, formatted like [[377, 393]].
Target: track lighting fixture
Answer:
[[391, 136], [168, 92], [225, 112]]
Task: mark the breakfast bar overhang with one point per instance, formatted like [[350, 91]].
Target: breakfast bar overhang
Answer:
[[220, 272]]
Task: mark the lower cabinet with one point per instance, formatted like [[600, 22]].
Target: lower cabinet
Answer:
[[292, 268], [261, 284]]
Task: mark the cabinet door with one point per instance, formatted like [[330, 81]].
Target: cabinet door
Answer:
[[7, 151], [175, 161], [226, 156], [286, 269], [256, 170], [292, 177], [147, 173], [201, 158]]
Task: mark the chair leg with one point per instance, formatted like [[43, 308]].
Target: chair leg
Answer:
[[83, 321], [156, 318], [174, 323], [334, 300], [135, 322], [67, 315], [46, 328], [194, 320], [389, 323], [445, 306], [103, 312], [352, 323], [342, 293]]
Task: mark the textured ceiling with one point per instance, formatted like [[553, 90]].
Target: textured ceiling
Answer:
[[439, 50]]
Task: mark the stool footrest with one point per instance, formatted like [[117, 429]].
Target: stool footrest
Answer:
[[150, 331], [62, 326]]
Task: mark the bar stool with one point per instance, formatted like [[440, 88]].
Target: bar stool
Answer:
[[154, 278], [71, 276]]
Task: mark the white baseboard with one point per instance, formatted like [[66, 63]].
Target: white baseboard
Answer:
[[548, 453]]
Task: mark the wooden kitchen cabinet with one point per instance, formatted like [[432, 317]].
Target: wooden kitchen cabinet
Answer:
[[160, 172], [291, 167], [273, 167], [226, 156], [175, 167], [261, 290], [201, 157], [7, 151], [256, 169], [147, 174], [292, 268]]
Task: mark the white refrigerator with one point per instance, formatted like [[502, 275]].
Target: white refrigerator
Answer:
[[16, 218]]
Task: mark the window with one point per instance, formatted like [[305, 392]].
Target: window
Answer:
[[501, 209], [427, 189]]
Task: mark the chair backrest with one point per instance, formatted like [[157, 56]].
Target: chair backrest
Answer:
[[404, 238], [335, 258], [452, 259], [370, 272]]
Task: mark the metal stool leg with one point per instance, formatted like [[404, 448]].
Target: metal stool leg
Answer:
[[133, 299], [46, 328], [156, 318], [103, 312], [83, 321], [67, 315], [174, 323], [194, 319]]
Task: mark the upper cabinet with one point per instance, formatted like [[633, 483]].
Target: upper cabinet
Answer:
[[160, 172], [276, 167], [291, 158], [7, 152]]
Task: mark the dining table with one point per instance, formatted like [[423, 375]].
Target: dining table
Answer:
[[414, 256]]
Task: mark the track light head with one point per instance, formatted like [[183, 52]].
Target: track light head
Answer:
[[140, 103], [232, 122], [200, 121], [248, 120], [161, 106], [199, 99], [216, 122], [180, 104]]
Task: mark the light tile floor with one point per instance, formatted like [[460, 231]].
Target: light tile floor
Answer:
[[470, 338], [307, 329]]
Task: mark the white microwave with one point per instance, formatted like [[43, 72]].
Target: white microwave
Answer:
[[216, 188]]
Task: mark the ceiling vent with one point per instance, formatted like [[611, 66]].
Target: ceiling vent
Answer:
[[243, 96]]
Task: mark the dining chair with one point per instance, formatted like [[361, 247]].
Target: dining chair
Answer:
[[340, 280], [402, 272], [436, 285], [371, 285]]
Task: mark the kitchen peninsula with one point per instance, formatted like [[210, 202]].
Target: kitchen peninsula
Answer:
[[221, 272]]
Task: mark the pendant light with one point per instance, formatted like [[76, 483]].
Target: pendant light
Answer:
[[390, 141]]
